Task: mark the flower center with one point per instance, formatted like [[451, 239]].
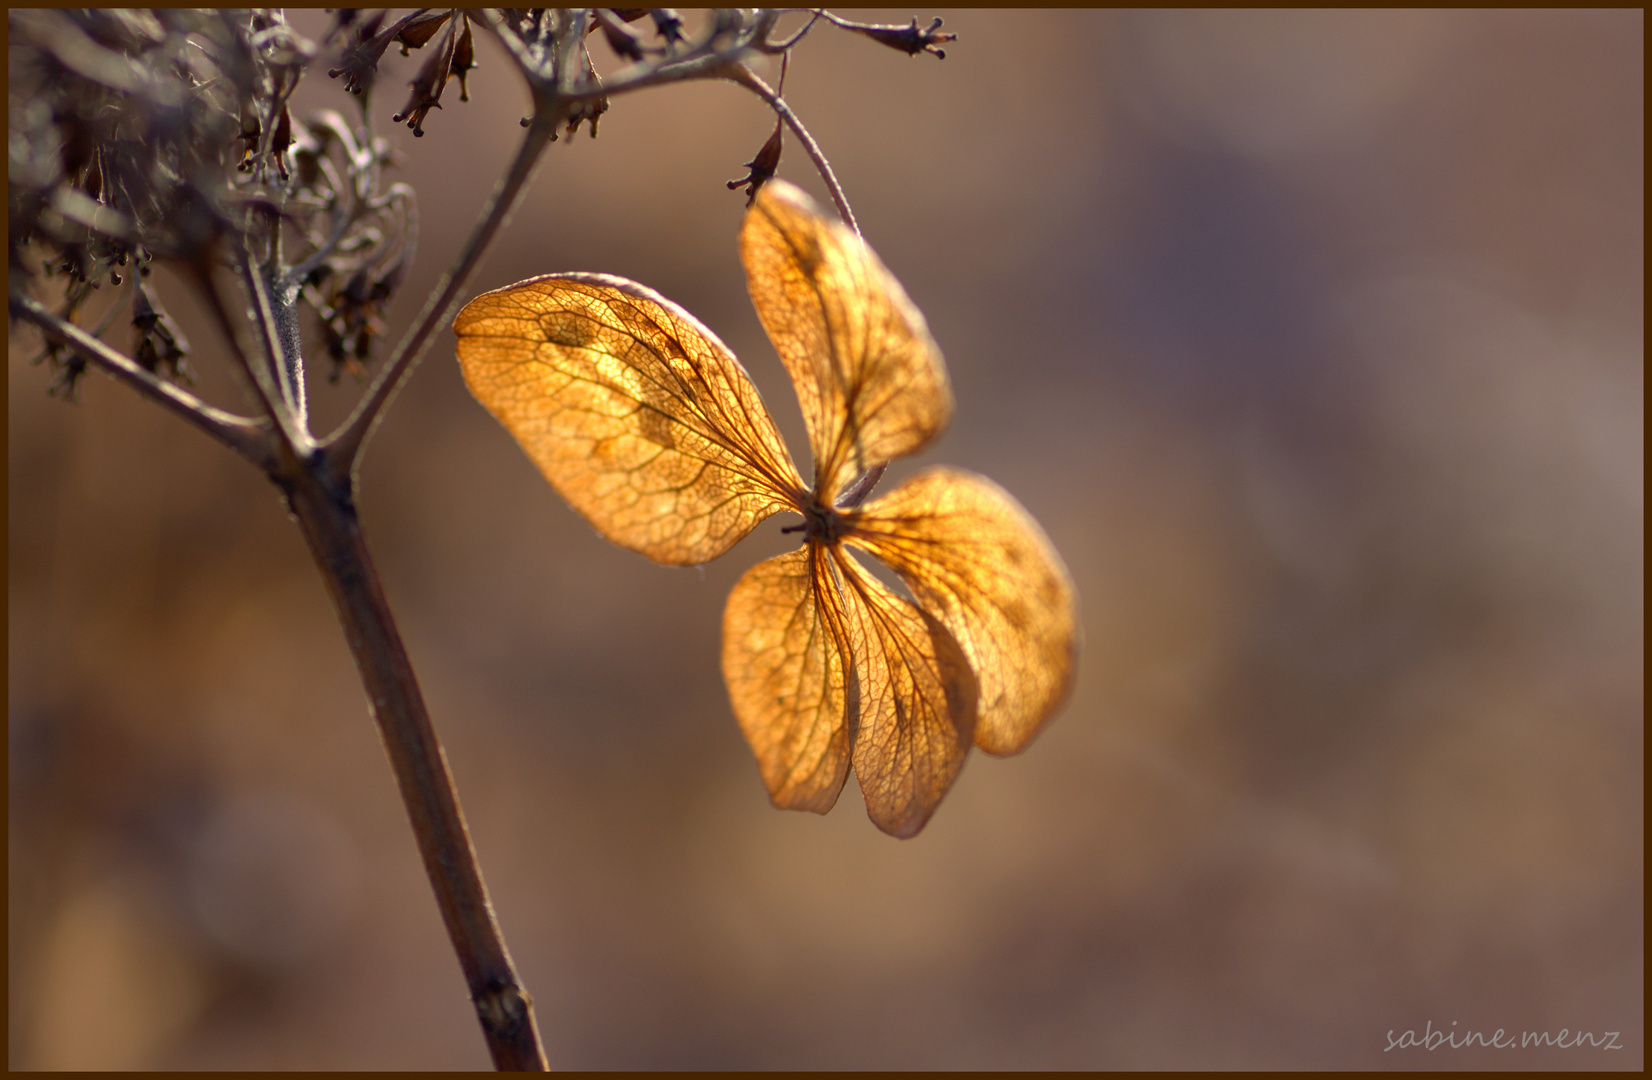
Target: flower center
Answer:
[[824, 524]]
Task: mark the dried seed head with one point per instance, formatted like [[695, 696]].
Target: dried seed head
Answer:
[[669, 24], [156, 340], [427, 91]]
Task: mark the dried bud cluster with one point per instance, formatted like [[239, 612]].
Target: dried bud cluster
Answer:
[[366, 40], [123, 132], [156, 341], [455, 57], [360, 63], [362, 241], [141, 135]]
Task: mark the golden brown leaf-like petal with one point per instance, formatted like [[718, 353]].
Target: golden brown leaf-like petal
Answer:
[[633, 410], [783, 661], [917, 702], [868, 375], [978, 562]]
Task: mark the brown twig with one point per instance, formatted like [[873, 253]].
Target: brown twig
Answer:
[[345, 445], [700, 62], [244, 435], [327, 516], [744, 76]]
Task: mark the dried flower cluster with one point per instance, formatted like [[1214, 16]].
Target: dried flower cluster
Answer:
[[145, 134], [139, 135]]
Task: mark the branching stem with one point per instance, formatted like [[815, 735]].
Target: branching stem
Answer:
[[259, 375], [286, 363], [318, 479]]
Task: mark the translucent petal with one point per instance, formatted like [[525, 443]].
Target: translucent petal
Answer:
[[917, 702], [783, 648], [869, 377], [978, 562], [634, 412]]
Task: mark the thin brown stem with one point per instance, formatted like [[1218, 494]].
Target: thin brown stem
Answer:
[[248, 437], [784, 46], [743, 75], [327, 517], [702, 62], [345, 445]]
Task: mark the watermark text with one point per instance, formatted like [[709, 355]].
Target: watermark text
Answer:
[[1565, 1039]]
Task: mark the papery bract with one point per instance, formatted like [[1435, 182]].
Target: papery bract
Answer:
[[650, 428]]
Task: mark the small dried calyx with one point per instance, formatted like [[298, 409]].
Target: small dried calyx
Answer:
[[909, 39], [761, 169], [447, 61], [455, 57]]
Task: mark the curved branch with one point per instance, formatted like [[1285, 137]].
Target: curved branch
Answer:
[[741, 74], [344, 446], [247, 437], [785, 46]]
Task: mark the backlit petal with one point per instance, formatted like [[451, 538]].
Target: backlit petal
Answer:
[[978, 562], [783, 646], [633, 410], [868, 375], [917, 702]]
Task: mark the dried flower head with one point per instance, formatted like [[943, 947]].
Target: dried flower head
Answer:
[[647, 424]]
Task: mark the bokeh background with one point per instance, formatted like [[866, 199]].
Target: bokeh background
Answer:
[[1314, 340]]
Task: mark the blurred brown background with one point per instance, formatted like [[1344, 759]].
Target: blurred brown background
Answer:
[[1314, 341]]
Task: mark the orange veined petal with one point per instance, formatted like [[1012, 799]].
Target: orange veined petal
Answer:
[[784, 643], [917, 698], [978, 562], [869, 377], [636, 413]]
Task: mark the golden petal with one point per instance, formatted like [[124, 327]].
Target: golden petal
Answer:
[[783, 649], [977, 561], [633, 410], [917, 702], [869, 377]]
